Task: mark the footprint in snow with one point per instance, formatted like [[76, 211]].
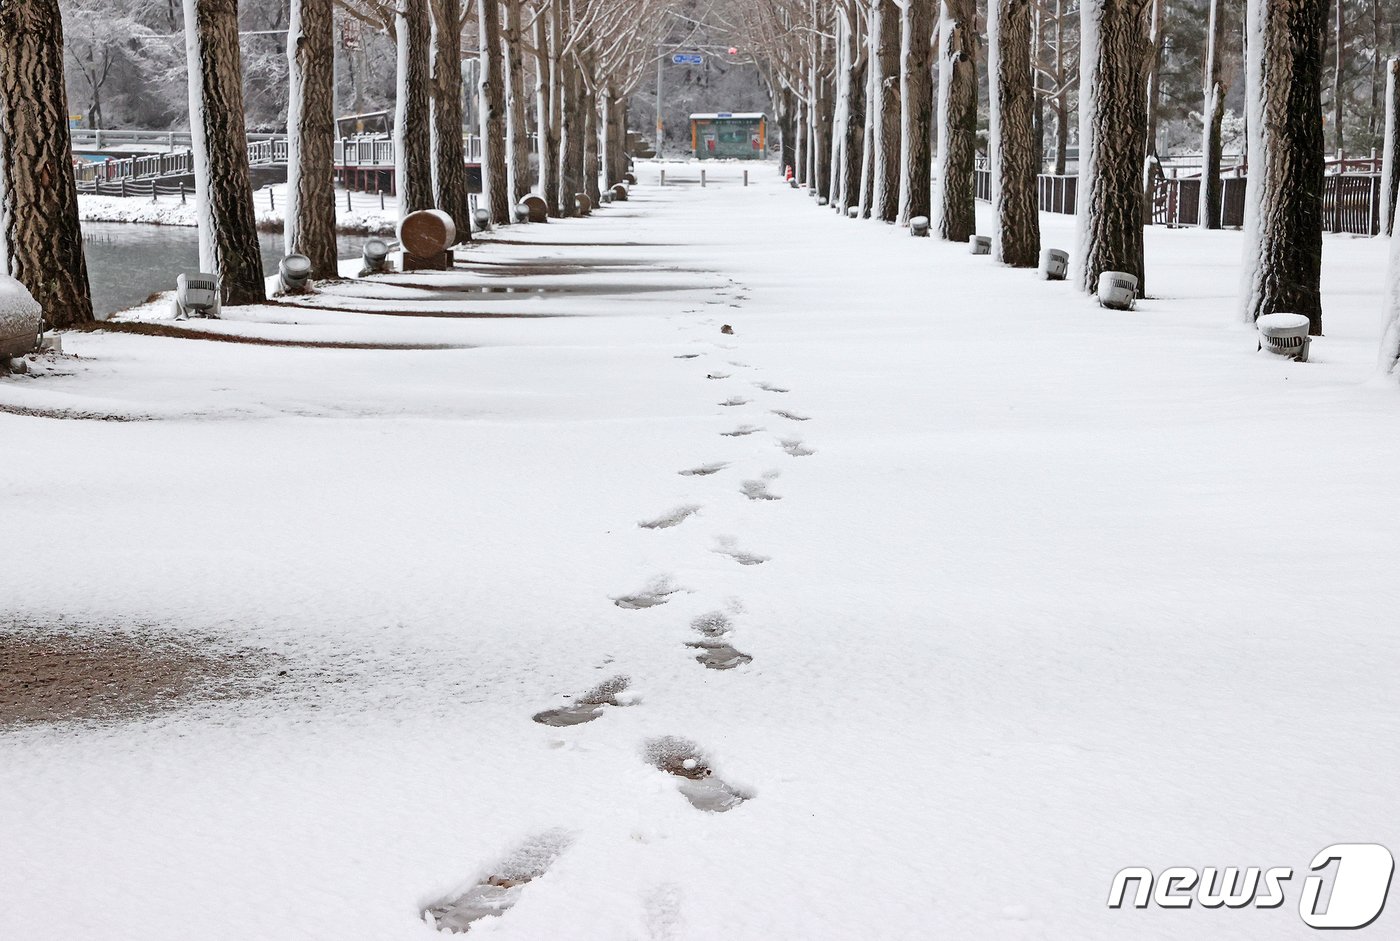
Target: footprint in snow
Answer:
[[741, 431], [790, 416], [795, 447], [727, 547], [658, 593], [716, 653], [590, 705], [734, 400], [717, 375], [704, 470], [757, 490], [684, 759], [663, 912], [674, 518], [497, 891], [766, 387], [686, 356]]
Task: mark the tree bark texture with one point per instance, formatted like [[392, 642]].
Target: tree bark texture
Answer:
[[41, 243], [1112, 138], [885, 63], [1212, 143], [916, 106], [495, 180], [451, 193], [546, 132], [954, 196], [571, 140], [1283, 202], [413, 143], [228, 234], [517, 126], [591, 167], [1390, 158], [1154, 95], [1014, 163], [309, 228], [853, 128]]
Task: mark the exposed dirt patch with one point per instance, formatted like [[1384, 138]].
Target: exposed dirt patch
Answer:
[[684, 759], [590, 705], [50, 675], [68, 414], [497, 892]]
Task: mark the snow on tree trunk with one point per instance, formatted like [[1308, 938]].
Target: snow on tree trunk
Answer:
[[867, 140], [547, 136], [228, 234], [1150, 166], [591, 166], [413, 144], [495, 181], [309, 228], [451, 192], [571, 139], [41, 244], [1212, 144], [1390, 160], [1112, 138], [1283, 201], [1014, 161], [852, 108], [916, 106], [953, 195], [517, 127], [1390, 338], [885, 104]]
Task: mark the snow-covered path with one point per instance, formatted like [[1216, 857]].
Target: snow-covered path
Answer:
[[1032, 592]]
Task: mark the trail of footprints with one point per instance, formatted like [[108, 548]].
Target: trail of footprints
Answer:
[[495, 892]]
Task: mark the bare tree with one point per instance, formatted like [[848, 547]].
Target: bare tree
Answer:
[[495, 181], [1283, 214], [450, 191], [310, 213], [228, 235], [41, 244], [916, 104], [1014, 159], [1390, 159], [1213, 114], [413, 151], [954, 198], [1112, 138], [884, 66]]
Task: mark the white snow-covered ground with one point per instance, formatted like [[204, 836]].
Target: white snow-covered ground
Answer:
[[355, 211], [1048, 591]]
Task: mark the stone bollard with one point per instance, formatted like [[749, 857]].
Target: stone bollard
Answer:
[[663, 176], [918, 227], [619, 193], [535, 208], [702, 179], [979, 244], [21, 319], [426, 236], [853, 212], [583, 204], [1118, 290], [1054, 264]]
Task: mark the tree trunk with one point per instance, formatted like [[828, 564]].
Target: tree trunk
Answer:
[[787, 124], [954, 196], [517, 127], [546, 139], [1283, 213], [1214, 114], [309, 228], [413, 143], [1154, 94], [916, 105], [228, 233], [867, 137], [557, 104], [1112, 138], [1340, 36], [853, 126], [495, 181], [590, 144], [1016, 215], [1390, 155], [885, 64], [1390, 337], [1062, 94], [450, 190], [41, 243], [571, 140]]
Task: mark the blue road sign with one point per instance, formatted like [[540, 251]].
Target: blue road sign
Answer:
[[688, 58]]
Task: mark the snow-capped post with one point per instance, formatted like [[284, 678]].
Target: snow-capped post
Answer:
[[1214, 115], [309, 227], [517, 129], [953, 194], [228, 233], [495, 182], [1014, 162], [916, 104], [884, 65], [450, 191], [1390, 155], [1283, 196], [413, 147], [1112, 138], [41, 244]]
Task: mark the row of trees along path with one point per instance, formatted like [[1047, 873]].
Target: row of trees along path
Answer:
[[857, 109]]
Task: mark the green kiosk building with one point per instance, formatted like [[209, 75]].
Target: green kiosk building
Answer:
[[728, 136]]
